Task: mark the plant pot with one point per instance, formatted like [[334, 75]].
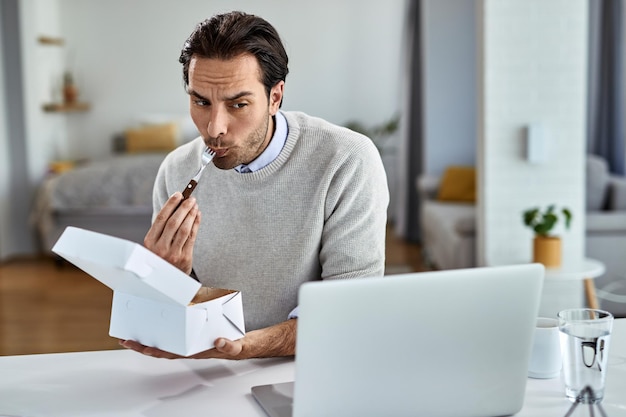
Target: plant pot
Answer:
[[547, 251]]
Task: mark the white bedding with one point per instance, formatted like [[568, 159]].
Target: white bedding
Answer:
[[120, 185], [124, 180]]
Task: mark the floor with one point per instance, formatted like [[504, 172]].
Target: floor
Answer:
[[47, 308]]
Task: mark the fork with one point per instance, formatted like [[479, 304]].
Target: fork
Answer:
[[207, 156]]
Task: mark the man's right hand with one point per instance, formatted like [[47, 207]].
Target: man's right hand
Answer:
[[173, 233]]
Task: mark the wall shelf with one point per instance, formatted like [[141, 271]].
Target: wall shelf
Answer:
[[50, 40], [66, 107]]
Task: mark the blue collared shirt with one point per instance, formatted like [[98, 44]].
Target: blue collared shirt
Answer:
[[273, 148]]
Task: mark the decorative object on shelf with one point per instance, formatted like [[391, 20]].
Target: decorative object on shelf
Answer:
[[65, 98], [546, 246], [69, 103], [70, 91]]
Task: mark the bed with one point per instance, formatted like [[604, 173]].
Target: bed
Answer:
[[112, 196]]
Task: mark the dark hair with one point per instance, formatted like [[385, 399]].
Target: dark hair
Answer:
[[226, 36]]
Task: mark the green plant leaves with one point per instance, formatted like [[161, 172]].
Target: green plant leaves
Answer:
[[542, 222]]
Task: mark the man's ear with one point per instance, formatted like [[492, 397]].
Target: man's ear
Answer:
[[276, 97]]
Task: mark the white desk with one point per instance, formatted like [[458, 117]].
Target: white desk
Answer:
[[123, 383]]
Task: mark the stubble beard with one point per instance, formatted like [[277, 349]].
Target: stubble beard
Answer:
[[252, 147]]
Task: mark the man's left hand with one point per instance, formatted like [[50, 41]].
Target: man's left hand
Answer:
[[277, 340], [224, 349]]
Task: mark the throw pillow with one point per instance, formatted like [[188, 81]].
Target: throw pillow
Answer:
[[152, 138], [597, 182], [617, 200], [458, 184]]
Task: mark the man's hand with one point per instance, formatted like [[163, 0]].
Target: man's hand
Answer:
[[277, 340], [174, 231]]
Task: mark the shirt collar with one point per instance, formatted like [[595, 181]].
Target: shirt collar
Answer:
[[273, 148]]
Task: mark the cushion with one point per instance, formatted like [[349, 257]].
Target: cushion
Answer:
[[186, 127], [152, 138], [59, 167], [597, 182], [458, 184], [617, 194], [606, 224]]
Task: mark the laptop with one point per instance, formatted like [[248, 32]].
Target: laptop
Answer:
[[443, 343]]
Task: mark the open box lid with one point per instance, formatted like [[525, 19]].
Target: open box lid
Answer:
[[126, 266]]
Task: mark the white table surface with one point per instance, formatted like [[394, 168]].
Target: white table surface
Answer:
[[586, 268], [123, 383], [563, 288]]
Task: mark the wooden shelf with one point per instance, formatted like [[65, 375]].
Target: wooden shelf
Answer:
[[66, 107], [50, 40]]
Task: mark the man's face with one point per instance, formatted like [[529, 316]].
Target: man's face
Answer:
[[230, 108]]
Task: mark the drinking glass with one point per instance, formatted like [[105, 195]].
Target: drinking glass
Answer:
[[585, 338]]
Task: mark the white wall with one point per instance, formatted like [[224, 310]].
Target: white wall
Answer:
[[534, 69], [344, 65], [42, 66], [344, 59], [449, 84]]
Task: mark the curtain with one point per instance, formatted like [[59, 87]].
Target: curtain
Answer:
[[14, 218], [410, 160], [607, 83]]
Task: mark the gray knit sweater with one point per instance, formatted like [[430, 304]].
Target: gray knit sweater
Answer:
[[318, 211]]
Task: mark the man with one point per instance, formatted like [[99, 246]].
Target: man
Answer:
[[288, 198]]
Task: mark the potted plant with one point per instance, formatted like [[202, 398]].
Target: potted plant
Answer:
[[379, 134], [546, 246]]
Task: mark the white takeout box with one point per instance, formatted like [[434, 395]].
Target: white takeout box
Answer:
[[151, 297]]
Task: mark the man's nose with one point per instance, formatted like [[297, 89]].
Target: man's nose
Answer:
[[218, 122]]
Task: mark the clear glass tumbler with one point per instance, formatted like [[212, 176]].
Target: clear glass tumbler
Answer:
[[585, 338]]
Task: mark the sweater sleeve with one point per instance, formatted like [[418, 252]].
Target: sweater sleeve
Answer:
[[353, 238]]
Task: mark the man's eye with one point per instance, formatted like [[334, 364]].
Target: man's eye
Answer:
[[201, 103], [239, 105]]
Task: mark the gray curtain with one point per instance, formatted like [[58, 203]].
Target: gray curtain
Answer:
[[410, 163], [14, 240], [607, 78]]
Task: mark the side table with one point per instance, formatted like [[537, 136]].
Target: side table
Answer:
[[586, 270]]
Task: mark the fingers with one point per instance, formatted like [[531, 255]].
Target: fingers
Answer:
[[191, 238], [224, 349], [170, 220], [173, 233], [148, 351], [229, 348], [160, 221], [183, 228]]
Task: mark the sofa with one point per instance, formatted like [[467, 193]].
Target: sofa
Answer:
[[448, 229]]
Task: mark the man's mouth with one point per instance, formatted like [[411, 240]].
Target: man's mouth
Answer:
[[219, 152]]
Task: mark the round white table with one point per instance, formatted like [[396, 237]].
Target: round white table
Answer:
[[586, 270]]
